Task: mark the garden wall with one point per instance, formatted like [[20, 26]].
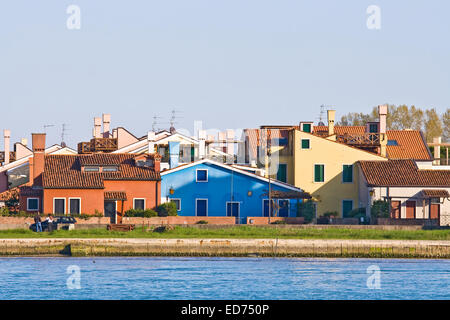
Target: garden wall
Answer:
[[408, 222], [265, 220], [177, 220]]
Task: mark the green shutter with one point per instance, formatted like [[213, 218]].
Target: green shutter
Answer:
[[307, 127], [347, 173], [319, 175], [305, 143], [347, 206], [281, 174]]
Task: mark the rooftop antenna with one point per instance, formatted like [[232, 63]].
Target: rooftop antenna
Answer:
[[47, 126], [322, 115], [63, 134], [173, 117], [155, 123]]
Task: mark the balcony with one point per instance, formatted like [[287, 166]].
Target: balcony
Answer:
[[12, 156], [98, 145], [360, 140]]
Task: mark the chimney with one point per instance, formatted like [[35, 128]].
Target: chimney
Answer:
[[97, 127], [6, 136], [106, 125], [202, 144], [437, 150], [331, 115], [37, 167], [230, 143], [382, 113], [151, 141], [24, 142], [157, 163]]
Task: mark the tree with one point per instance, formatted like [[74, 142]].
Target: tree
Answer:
[[446, 123], [433, 125]]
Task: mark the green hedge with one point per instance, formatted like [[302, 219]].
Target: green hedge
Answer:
[[167, 209], [147, 213]]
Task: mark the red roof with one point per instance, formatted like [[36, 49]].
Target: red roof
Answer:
[[403, 173], [64, 171]]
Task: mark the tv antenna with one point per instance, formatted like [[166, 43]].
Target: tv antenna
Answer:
[[155, 123], [63, 135], [173, 118], [322, 115], [47, 126]]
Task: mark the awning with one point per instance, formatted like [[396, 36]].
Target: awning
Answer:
[[435, 193], [115, 195]]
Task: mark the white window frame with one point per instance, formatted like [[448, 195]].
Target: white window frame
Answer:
[[179, 199], [239, 208], [342, 179], [65, 204], [314, 173], [68, 204], [134, 203], [301, 142], [207, 205], [28, 204], [196, 176]]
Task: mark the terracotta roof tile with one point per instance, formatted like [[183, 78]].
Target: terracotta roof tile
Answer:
[[403, 173], [115, 195], [411, 145], [64, 171], [435, 193]]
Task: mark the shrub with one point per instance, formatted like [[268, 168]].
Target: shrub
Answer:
[[357, 213], [306, 209], [147, 213], [380, 209], [167, 209], [202, 222], [4, 211], [279, 222]]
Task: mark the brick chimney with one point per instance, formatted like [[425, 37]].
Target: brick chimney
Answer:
[[37, 164], [106, 125], [382, 114], [97, 127], [331, 114], [157, 162], [7, 137]]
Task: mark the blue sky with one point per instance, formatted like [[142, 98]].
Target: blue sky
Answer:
[[230, 63]]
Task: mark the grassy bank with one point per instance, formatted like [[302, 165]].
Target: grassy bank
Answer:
[[240, 232]]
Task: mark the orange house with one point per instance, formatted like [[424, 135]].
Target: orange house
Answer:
[[92, 183]]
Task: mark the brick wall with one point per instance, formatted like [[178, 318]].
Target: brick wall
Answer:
[[177, 220], [408, 222], [25, 220], [265, 220]]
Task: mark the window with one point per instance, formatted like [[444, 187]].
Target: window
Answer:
[[59, 205], [177, 203], [33, 204], [319, 173], [307, 127], [347, 173], [373, 128], [202, 175], [74, 205], [392, 143], [91, 169], [110, 169], [347, 206], [282, 172], [282, 141], [139, 204], [201, 207], [233, 209], [305, 144]]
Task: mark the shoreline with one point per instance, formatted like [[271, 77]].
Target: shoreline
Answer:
[[109, 247]]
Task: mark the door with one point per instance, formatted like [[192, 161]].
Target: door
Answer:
[[233, 209], [201, 207], [396, 210], [110, 210], [410, 209], [435, 209], [59, 206], [266, 208], [283, 210], [347, 206]]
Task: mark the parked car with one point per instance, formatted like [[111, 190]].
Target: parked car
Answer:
[[54, 224]]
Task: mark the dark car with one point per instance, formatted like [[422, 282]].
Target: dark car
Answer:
[[54, 225]]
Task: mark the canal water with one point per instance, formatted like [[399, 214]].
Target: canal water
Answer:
[[223, 278]]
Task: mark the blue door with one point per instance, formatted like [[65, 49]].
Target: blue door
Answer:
[[201, 207], [283, 208], [233, 209], [266, 208]]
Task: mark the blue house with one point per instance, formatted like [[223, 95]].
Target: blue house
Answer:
[[209, 188]]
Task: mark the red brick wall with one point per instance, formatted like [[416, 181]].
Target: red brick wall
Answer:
[[265, 220], [25, 220], [178, 220]]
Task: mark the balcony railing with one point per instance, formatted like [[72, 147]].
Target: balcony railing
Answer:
[[12, 156], [98, 145], [441, 162], [366, 139]]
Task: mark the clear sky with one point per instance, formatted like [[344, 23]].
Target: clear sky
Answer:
[[230, 63]]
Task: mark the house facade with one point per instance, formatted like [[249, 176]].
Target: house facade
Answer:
[[209, 188], [92, 183], [412, 193]]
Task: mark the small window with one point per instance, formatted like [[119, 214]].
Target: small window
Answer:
[[59, 206], [392, 143], [305, 144], [319, 173], [202, 175], [33, 204], [282, 141], [373, 128], [307, 127], [347, 173], [74, 206], [110, 169], [177, 203], [139, 204], [91, 169]]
